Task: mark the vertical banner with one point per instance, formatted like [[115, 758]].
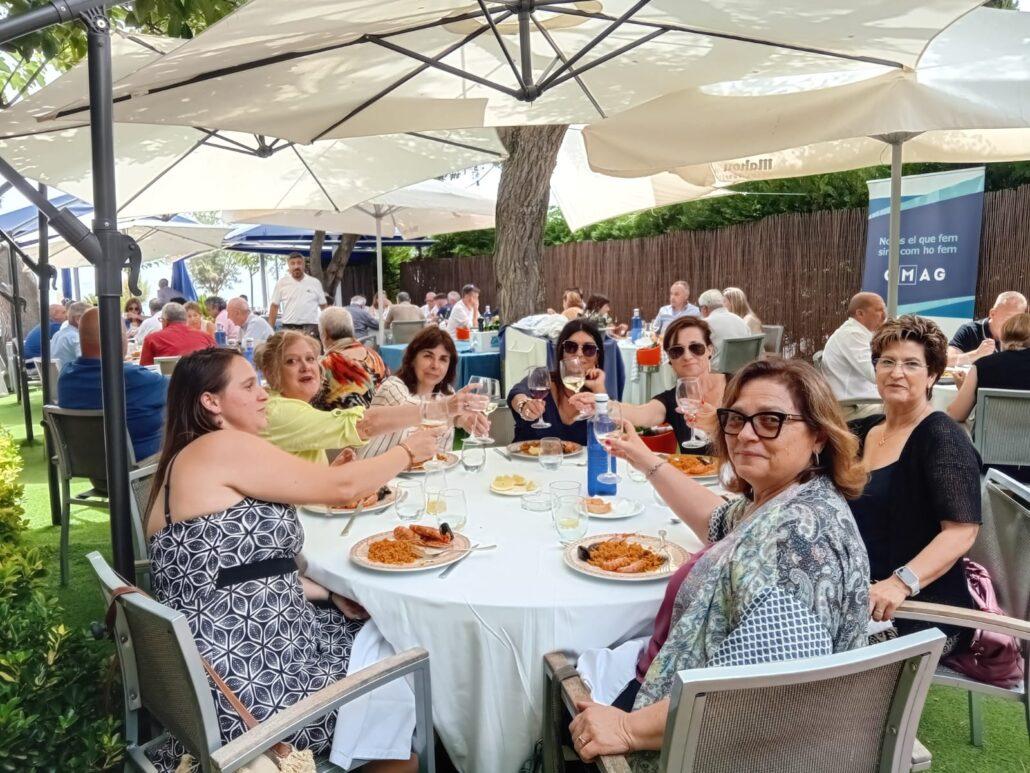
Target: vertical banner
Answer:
[[941, 216]]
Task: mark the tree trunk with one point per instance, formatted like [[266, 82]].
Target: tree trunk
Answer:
[[522, 199], [315, 256], [29, 288], [338, 264]]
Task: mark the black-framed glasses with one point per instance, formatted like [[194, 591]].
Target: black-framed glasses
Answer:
[[677, 351], [766, 424], [572, 347]]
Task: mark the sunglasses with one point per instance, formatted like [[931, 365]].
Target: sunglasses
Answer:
[[571, 347], [677, 351], [766, 424]]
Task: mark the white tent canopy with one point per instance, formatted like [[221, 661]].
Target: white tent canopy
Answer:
[[320, 69]]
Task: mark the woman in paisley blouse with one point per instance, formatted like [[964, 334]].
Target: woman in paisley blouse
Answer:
[[783, 574]]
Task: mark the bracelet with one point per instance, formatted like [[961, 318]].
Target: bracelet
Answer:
[[411, 456], [654, 469]]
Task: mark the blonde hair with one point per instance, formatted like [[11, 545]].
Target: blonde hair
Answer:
[[571, 298], [815, 401], [736, 301], [271, 355], [194, 306], [1015, 334]]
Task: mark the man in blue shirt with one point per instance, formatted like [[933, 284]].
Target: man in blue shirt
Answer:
[[32, 346], [64, 346], [679, 305], [145, 391]]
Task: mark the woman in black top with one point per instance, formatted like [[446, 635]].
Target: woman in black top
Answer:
[[920, 511]]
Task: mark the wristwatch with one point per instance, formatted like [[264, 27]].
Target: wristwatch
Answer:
[[909, 578]]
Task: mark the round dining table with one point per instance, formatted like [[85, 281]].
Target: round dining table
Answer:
[[490, 621]]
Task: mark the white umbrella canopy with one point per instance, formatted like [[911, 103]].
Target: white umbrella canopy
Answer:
[[320, 69], [167, 169]]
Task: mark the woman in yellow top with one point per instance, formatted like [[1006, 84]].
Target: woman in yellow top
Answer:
[[289, 362]]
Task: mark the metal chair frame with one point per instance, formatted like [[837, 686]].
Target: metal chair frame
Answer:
[[773, 343], [735, 353], [404, 330]]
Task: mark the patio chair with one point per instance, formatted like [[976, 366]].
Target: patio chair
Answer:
[[403, 332], [502, 426], [817, 360], [851, 711], [773, 343], [166, 364], [162, 672], [735, 353], [75, 438], [1001, 547], [11, 365], [141, 480], [1002, 426]]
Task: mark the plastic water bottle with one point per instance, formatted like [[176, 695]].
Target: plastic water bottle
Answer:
[[598, 461], [248, 349], [220, 334], [636, 326]]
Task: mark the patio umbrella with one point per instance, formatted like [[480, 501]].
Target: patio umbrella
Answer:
[[429, 207], [343, 68], [181, 280], [67, 283]]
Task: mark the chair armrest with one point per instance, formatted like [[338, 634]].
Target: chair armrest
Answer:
[[285, 723], [964, 618], [560, 667]]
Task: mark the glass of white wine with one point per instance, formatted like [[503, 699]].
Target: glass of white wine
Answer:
[[608, 426], [435, 416], [489, 388], [570, 520], [573, 376], [448, 506]]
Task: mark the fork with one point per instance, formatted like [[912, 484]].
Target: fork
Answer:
[[350, 521]]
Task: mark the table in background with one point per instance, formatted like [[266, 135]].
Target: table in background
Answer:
[[470, 363], [640, 388], [489, 623]]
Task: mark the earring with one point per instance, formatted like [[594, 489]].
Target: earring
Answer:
[[818, 463]]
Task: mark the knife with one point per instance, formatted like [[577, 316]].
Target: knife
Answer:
[[450, 568]]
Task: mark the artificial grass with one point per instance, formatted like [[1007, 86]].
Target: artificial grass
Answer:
[[944, 728]]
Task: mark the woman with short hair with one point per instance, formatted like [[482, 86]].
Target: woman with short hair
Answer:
[[352, 372], [195, 319]]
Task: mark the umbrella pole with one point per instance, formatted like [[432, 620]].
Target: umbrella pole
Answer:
[[75, 283], [49, 390], [894, 233], [264, 285], [22, 387], [379, 266]]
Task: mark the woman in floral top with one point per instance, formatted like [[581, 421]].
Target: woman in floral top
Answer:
[[784, 573]]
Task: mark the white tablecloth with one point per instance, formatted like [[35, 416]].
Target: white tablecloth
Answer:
[[488, 624], [943, 396], [639, 388]]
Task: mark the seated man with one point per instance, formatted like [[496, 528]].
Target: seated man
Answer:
[[176, 339], [847, 357], [32, 347], [981, 337], [679, 305], [152, 323], [402, 311], [723, 322], [78, 387], [64, 346], [249, 323], [364, 323]]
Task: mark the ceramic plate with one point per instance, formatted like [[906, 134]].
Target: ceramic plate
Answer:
[[515, 449], [448, 462], [678, 555], [382, 504], [359, 555], [621, 508]]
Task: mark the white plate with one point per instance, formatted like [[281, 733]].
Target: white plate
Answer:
[[516, 491], [383, 503], [677, 553], [448, 464], [359, 555], [621, 508], [709, 478], [514, 450]]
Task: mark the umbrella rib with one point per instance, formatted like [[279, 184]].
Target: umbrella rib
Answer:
[[315, 178], [216, 135], [202, 141], [554, 81], [462, 145], [558, 52], [500, 42]]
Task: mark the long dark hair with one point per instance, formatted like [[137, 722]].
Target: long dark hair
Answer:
[[203, 371], [580, 325], [428, 338]]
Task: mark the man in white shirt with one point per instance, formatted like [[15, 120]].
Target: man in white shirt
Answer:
[[64, 346], [152, 323], [679, 305], [723, 322], [430, 307], [249, 324], [847, 357], [466, 312], [301, 295]]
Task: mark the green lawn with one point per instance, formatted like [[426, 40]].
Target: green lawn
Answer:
[[944, 728]]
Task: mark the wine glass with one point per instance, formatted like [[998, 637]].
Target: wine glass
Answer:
[[449, 506], [689, 396], [490, 388], [539, 383], [608, 426], [550, 453], [435, 415], [573, 376]]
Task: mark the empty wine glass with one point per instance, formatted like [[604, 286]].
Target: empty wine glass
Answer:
[[490, 388], [689, 396], [608, 426], [573, 376], [539, 383]]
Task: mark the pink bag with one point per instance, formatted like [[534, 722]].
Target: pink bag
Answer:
[[992, 657]]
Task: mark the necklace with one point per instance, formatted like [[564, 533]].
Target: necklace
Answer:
[[883, 440]]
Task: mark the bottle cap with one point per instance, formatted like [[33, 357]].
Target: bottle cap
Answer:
[[600, 397]]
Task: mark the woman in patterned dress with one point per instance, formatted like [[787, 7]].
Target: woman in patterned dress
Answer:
[[784, 573], [223, 544]]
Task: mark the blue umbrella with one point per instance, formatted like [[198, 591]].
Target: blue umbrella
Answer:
[[67, 284], [181, 281]]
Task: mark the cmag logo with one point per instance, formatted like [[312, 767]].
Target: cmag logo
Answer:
[[914, 275]]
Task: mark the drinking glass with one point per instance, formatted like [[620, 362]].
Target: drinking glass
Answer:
[[570, 520], [435, 415], [539, 383], [608, 426], [490, 388], [473, 455], [689, 396], [411, 500], [573, 376], [565, 488], [550, 453], [448, 506]]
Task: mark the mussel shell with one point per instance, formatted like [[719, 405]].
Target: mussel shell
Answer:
[[446, 531], [583, 553]]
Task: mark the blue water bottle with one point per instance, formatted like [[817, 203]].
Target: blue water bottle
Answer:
[[220, 334], [248, 349], [598, 461], [636, 326]]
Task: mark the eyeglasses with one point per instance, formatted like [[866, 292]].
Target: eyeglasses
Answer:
[[677, 351], [886, 365], [766, 424], [571, 347]]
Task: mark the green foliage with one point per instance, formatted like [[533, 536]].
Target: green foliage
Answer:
[[215, 270], [51, 678]]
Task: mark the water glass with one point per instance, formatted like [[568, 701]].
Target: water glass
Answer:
[[448, 506], [538, 502], [635, 475], [570, 521], [411, 500], [565, 488], [550, 453], [473, 455]]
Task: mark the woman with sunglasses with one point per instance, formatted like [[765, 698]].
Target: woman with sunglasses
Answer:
[[581, 340], [688, 343], [133, 315], [783, 574]]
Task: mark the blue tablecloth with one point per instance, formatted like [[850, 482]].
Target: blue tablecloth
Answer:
[[470, 363]]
